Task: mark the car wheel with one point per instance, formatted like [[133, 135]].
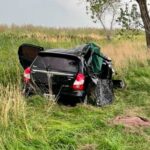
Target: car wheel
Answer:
[[104, 92]]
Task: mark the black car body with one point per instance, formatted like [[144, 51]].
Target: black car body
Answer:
[[78, 73]]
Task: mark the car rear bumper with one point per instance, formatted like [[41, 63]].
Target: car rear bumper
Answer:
[[64, 91]]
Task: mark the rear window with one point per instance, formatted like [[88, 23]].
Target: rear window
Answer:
[[52, 63]]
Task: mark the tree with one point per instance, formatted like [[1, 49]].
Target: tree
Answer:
[[130, 20], [143, 5], [100, 7], [98, 10]]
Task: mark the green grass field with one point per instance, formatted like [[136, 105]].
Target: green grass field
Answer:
[[37, 124]]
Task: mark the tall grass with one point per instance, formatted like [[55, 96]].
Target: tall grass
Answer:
[[125, 52], [34, 123], [12, 104]]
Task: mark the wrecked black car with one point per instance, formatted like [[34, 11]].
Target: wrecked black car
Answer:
[[82, 73]]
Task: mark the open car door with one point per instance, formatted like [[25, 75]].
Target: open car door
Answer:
[[27, 53]]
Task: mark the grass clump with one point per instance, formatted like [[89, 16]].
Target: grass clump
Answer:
[[12, 104]]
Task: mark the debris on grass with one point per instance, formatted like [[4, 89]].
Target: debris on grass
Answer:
[[131, 121]]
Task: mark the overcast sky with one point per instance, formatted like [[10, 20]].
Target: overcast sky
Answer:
[[50, 13]]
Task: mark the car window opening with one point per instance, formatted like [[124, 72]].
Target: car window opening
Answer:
[[60, 64]]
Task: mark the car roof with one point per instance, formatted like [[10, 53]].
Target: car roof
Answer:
[[78, 51]]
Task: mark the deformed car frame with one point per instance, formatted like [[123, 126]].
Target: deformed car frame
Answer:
[[82, 73]]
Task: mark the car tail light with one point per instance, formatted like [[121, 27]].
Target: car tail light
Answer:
[[27, 73], [79, 82]]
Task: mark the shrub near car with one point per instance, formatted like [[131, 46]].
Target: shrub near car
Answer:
[[82, 73]]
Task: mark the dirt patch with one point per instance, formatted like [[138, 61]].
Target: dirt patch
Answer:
[[131, 121]]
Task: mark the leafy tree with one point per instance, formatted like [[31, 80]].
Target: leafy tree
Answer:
[[129, 18], [130, 21], [98, 9]]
